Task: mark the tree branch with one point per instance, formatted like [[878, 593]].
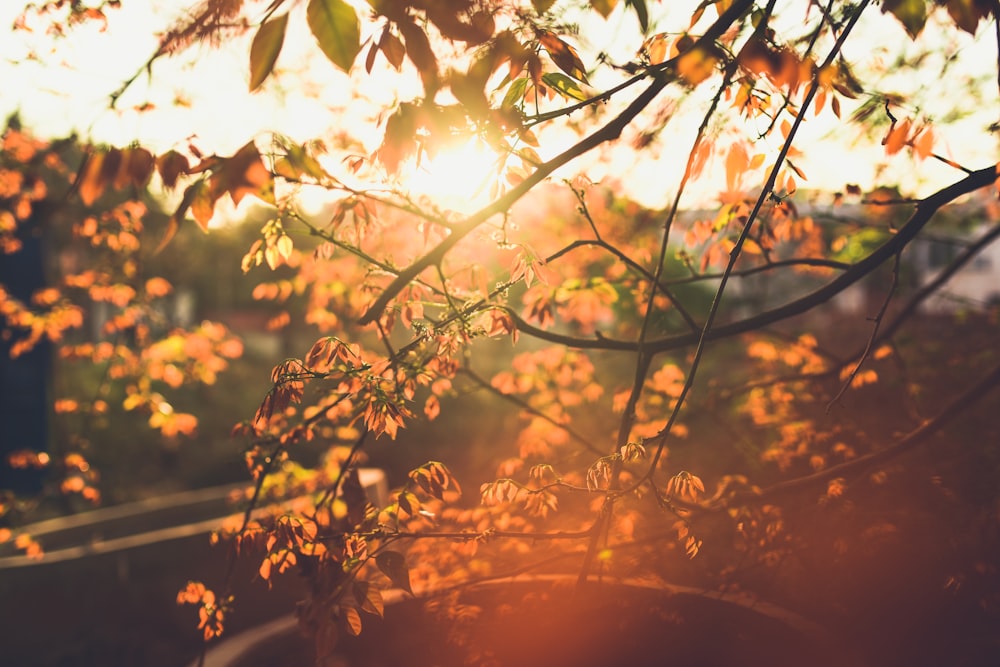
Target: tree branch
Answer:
[[921, 216], [611, 131], [918, 436]]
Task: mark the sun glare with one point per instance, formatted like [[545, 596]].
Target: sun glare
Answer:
[[457, 177]]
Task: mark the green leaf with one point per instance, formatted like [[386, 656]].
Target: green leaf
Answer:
[[334, 24], [565, 85], [515, 93], [641, 13], [393, 565], [542, 6], [911, 13], [265, 49]]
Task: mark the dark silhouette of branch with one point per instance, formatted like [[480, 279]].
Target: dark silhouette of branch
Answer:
[[923, 213], [820, 262], [940, 279]]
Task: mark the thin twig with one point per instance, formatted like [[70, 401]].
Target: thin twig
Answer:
[[876, 323]]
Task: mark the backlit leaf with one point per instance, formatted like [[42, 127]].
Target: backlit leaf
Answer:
[[515, 93], [604, 7], [736, 163], [911, 13], [244, 174], [334, 24], [418, 48], [967, 14], [565, 85], [897, 137], [202, 203], [265, 49], [92, 181], [170, 166], [136, 168], [393, 565], [696, 65], [392, 48], [563, 55]]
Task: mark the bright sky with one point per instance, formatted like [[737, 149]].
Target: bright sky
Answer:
[[203, 93]]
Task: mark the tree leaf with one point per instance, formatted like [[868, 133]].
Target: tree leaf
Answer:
[[353, 620], [244, 174], [393, 565], [91, 180], [967, 14], [911, 13], [171, 165], [202, 203], [418, 48], [265, 49], [736, 163], [334, 24], [369, 597], [542, 6], [604, 7], [565, 85], [563, 55], [392, 48], [138, 168], [515, 93], [641, 13]]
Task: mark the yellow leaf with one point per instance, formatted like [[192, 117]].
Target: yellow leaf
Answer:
[[272, 257], [284, 245], [604, 7]]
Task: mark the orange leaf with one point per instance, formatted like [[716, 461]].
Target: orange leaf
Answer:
[[202, 203], [923, 145], [92, 180], [157, 287], [696, 65], [736, 163], [353, 620], [897, 137]]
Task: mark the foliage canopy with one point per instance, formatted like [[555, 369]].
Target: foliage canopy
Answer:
[[640, 338]]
